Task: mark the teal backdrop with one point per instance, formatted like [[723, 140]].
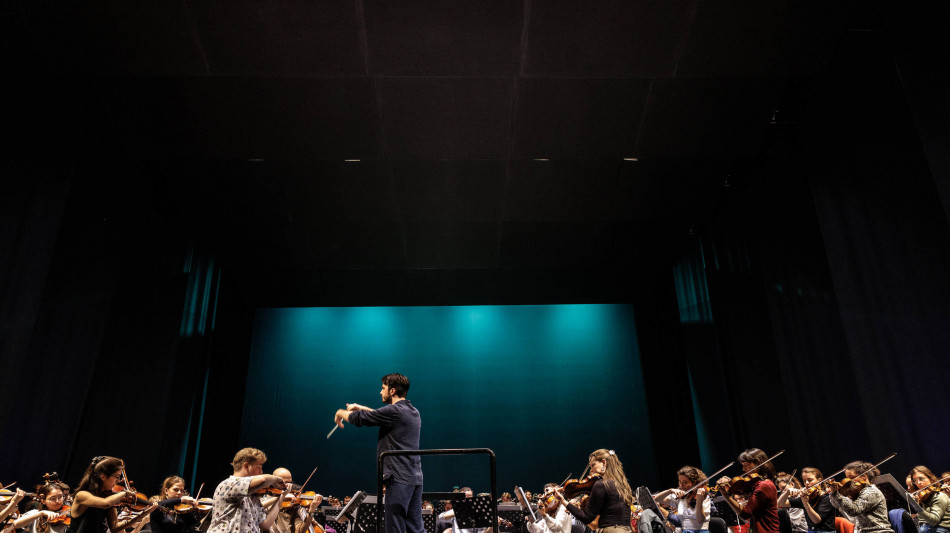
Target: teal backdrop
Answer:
[[541, 385]]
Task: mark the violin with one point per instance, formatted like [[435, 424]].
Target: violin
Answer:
[[304, 499], [924, 494], [62, 518], [746, 483], [202, 506], [6, 496], [852, 487], [573, 487], [135, 501]]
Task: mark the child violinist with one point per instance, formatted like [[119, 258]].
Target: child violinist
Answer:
[[94, 506], [935, 517], [819, 513], [860, 499]]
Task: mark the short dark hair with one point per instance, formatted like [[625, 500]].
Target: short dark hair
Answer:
[[398, 382]]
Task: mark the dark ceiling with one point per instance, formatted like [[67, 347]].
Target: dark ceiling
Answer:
[[505, 151]]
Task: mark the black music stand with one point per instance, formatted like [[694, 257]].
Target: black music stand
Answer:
[[472, 513], [366, 515], [646, 501], [895, 494], [720, 509]]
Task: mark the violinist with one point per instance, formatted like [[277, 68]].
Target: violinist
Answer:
[[935, 517], [860, 499], [693, 509], [169, 519], [295, 518], [237, 505], [819, 513], [610, 497], [94, 506], [11, 508], [51, 516], [556, 521], [760, 507], [793, 516]]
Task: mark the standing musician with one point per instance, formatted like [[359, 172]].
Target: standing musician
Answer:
[[94, 507], [168, 519], [760, 507], [693, 511], [610, 498], [237, 503], [935, 517], [860, 499], [399, 427], [819, 513]]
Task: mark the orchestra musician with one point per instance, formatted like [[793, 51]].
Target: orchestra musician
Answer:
[[760, 506], [557, 522], [864, 502], [693, 511], [295, 518], [237, 504], [51, 498], [610, 497], [935, 517], [168, 519], [819, 513], [94, 506], [12, 506]]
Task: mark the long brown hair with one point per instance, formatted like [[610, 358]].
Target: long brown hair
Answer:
[[102, 464], [614, 474], [169, 481]]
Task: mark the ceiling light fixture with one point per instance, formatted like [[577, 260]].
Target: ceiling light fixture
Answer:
[[351, 160], [631, 159]]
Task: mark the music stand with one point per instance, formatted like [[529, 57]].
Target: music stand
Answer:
[[646, 501], [519, 493], [895, 494], [472, 513], [347, 513], [729, 517], [366, 514]]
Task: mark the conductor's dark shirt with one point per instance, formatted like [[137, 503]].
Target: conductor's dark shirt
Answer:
[[399, 428]]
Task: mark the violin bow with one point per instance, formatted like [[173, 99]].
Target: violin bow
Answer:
[[308, 479], [8, 486], [931, 485], [700, 482], [866, 470], [199, 491]]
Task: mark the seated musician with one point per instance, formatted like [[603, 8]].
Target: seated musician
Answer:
[[295, 518], [935, 517], [760, 507], [167, 519], [819, 513], [692, 510], [793, 516], [863, 502], [49, 517], [237, 504], [557, 520], [94, 508]]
